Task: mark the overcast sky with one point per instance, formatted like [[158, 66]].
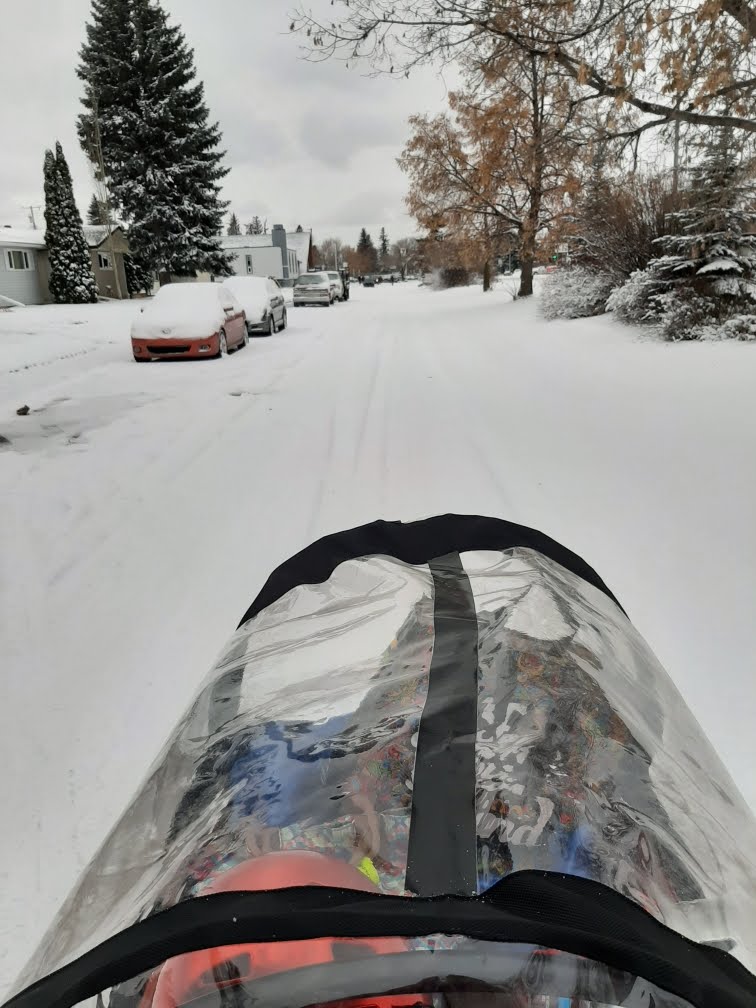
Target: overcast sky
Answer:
[[310, 144]]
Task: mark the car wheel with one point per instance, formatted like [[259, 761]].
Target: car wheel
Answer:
[[222, 344], [271, 325], [284, 320]]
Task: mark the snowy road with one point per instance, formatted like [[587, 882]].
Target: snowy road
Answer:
[[142, 508]]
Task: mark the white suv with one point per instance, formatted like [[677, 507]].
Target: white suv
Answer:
[[337, 285]]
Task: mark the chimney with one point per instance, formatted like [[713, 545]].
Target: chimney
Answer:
[[278, 237]]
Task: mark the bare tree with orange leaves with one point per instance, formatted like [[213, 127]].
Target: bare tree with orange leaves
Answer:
[[495, 170], [687, 61]]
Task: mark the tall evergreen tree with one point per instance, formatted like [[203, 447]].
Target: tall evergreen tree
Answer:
[[71, 278], [383, 244], [708, 270], [256, 226], [111, 89], [367, 253], [97, 212], [234, 228], [159, 147]]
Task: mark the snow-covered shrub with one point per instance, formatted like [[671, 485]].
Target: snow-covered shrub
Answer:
[[635, 302], [740, 327], [615, 219], [575, 292], [685, 314], [454, 276]]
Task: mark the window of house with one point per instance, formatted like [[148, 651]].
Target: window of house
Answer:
[[250, 267], [18, 259], [103, 261]]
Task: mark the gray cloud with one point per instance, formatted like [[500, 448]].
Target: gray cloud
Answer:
[[308, 143]]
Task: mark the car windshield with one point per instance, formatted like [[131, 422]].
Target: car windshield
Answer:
[[311, 280], [334, 276]]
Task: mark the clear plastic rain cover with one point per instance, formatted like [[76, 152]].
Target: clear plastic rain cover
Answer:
[[304, 736]]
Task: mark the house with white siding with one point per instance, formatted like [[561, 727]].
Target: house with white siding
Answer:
[[259, 255], [282, 255], [23, 267], [301, 242]]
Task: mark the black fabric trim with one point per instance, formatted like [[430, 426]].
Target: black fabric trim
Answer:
[[414, 543], [544, 908], [440, 857]]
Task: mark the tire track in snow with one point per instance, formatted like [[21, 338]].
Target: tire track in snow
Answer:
[[471, 425]]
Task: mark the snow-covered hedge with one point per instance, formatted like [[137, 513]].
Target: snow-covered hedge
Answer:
[[685, 314], [741, 327], [635, 301], [575, 292]]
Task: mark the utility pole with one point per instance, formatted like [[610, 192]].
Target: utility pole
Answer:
[[100, 162], [32, 218]]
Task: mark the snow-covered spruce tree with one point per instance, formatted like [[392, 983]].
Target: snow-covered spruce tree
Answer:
[[111, 90], [71, 278], [367, 253], [705, 277], [234, 228], [383, 245], [159, 147]]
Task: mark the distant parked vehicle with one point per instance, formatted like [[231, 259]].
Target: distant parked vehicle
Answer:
[[368, 281], [337, 285], [263, 302], [189, 320], [313, 288]]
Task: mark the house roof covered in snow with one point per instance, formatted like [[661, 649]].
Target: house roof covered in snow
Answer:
[[97, 233], [299, 241], [22, 237], [245, 241]]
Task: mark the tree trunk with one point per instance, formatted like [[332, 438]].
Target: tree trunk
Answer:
[[528, 246], [526, 274], [487, 276]]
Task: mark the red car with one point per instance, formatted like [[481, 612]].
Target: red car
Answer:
[[189, 320]]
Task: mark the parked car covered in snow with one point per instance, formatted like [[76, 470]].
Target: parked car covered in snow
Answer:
[[189, 320], [262, 300], [313, 288], [337, 285]]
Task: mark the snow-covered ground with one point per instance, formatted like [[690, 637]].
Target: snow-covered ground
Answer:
[[143, 506]]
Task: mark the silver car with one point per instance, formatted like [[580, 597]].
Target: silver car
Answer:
[[313, 288], [263, 302]]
